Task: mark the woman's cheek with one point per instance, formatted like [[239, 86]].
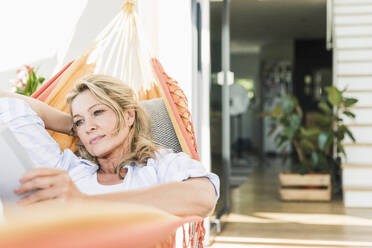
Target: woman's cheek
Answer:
[[83, 140]]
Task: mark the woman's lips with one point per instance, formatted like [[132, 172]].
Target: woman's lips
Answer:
[[96, 139]]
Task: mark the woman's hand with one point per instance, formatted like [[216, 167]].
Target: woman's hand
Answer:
[[49, 183]]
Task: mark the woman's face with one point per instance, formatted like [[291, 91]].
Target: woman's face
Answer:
[[95, 124]]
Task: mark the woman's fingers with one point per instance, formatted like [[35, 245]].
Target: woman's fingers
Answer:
[[41, 195], [41, 172], [36, 183], [49, 184]]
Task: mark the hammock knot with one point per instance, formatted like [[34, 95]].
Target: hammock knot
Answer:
[[128, 6]]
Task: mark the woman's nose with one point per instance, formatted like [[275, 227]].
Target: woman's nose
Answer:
[[91, 125]]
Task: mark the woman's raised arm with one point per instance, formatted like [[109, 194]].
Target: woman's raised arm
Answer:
[[53, 119]]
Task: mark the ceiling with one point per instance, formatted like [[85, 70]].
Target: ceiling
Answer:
[[257, 22]]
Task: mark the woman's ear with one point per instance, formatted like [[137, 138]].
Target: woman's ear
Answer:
[[130, 116]]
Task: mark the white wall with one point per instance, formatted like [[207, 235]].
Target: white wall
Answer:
[[168, 26], [352, 70], [94, 18], [34, 33]]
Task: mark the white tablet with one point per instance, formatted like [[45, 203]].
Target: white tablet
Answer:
[[15, 162]]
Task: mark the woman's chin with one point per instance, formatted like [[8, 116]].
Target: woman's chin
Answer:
[[98, 153]]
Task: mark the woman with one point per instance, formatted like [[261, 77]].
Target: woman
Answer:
[[119, 161]]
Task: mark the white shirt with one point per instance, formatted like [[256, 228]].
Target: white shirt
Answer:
[[30, 131]]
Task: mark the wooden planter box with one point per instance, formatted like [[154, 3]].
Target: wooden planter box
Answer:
[[310, 187]]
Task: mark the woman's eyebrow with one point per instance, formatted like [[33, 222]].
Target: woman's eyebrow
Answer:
[[97, 104]]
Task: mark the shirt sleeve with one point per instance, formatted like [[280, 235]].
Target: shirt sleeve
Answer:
[[177, 167], [29, 130], [44, 151]]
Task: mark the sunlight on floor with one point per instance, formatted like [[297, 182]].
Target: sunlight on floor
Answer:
[[316, 219], [300, 218], [239, 218], [275, 242], [262, 246]]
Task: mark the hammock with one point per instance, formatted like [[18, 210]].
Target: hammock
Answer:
[[120, 51], [103, 224], [132, 64]]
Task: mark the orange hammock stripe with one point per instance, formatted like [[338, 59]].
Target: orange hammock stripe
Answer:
[[176, 103], [43, 92]]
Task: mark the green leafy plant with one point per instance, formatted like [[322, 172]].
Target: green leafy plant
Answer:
[[313, 144], [27, 81]]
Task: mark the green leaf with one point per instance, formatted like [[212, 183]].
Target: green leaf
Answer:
[[334, 96], [310, 132], [315, 159], [323, 120], [28, 84], [340, 133], [307, 145], [341, 149], [295, 122], [318, 161], [325, 108], [350, 102], [289, 132], [288, 105], [301, 169], [324, 140], [41, 80], [34, 87], [348, 132], [33, 76], [19, 91], [349, 114]]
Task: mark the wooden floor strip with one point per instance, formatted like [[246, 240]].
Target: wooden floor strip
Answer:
[[292, 242], [355, 75], [365, 4], [357, 36], [357, 189], [359, 91], [352, 24], [357, 166], [353, 48], [366, 14], [358, 144], [354, 61]]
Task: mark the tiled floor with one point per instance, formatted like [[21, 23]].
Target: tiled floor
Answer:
[[259, 219]]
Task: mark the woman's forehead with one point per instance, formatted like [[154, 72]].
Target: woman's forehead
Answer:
[[84, 101]]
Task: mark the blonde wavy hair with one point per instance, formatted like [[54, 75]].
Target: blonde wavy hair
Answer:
[[119, 97]]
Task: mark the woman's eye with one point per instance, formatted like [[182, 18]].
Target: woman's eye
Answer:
[[78, 123], [98, 112]]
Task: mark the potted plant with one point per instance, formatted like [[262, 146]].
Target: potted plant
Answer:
[[318, 146], [27, 81]]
